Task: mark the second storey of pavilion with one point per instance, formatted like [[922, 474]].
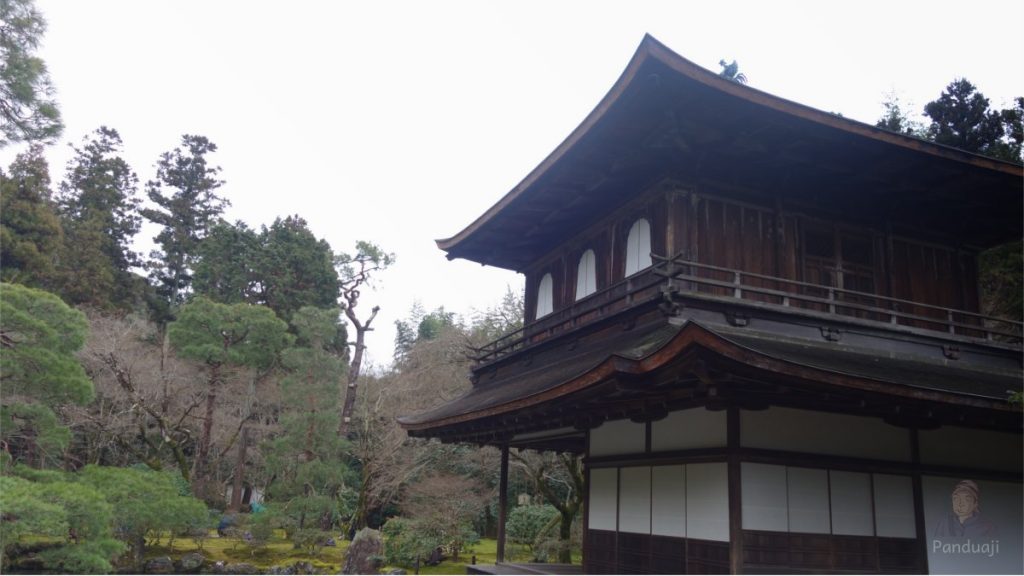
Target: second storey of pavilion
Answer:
[[744, 188]]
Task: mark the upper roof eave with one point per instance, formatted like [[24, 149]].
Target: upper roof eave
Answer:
[[650, 49]]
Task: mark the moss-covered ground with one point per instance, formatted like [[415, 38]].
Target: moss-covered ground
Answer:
[[280, 551]]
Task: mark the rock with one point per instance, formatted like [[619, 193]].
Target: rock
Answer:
[[330, 542], [364, 554], [293, 569], [240, 568], [398, 571], [159, 565], [191, 562]]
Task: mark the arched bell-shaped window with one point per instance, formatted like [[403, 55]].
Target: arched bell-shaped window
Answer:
[[545, 296], [586, 275], [638, 247]]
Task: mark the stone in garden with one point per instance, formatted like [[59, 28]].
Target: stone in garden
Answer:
[[240, 568], [159, 565], [364, 553], [191, 562]]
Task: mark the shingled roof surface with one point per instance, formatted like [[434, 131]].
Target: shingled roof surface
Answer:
[[528, 381]]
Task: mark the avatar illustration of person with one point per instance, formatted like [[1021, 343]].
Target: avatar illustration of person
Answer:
[[965, 519]]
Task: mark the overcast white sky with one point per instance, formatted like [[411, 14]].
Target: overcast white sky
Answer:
[[401, 122]]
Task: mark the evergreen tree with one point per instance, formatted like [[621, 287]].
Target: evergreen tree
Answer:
[[356, 272], [224, 337], [225, 270], [27, 109], [143, 503], [39, 335], [895, 119], [284, 267], [30, 232], [961, 118], [307, 457], [99, 211], [187, 208], [295, 269], [75, 516]]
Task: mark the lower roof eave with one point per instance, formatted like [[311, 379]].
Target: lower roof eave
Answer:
[[690, 338]]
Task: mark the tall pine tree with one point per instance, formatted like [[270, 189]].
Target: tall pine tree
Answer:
[[185, 192], [30, 232], [99, 209]]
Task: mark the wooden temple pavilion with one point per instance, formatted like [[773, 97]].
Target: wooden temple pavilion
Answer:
[[759, 324]]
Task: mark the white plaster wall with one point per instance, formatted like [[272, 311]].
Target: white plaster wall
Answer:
[[953, 446], [687, 429], [618, 437], [823, 433]]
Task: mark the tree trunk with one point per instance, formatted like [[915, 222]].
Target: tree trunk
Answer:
[[236, 487], [357, 362], [565, 536], [203, 454], [362, 505], [165, 350], [350, 390]]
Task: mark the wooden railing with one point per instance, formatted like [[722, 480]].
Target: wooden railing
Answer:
[[645, 286], [689, 276], [676, 274]]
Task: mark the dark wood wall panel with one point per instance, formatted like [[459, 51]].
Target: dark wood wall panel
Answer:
[[706, 557], [899, 556], [782, 552], [609, 552], [668, 555], [601, 552], [634, 553]]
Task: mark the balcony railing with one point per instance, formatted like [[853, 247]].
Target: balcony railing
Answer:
[[703, 281]]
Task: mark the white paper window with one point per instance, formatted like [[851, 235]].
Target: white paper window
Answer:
[[851, 503], [764, 497], [586, 275], [707, 502], [668, 501], [603, 499], [545, 296], [638, 247], [618, 437], [807, 494], [635, 500], [894, 506]]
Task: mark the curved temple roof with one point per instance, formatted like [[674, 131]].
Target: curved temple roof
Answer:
[[656, 346], [502, 235]]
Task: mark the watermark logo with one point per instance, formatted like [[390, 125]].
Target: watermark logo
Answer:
[[964, 529]]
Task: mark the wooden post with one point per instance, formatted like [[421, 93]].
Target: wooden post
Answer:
[[502, 503]]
